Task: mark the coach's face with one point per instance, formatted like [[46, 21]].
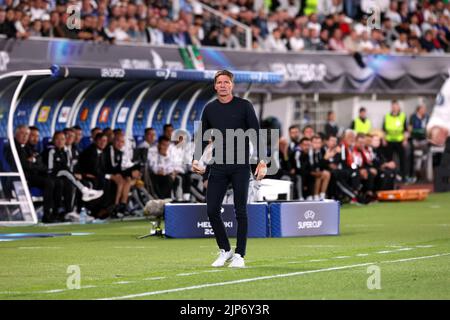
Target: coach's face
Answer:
[[223, 86]]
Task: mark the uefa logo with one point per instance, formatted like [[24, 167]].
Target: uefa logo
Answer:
[[310, 214]]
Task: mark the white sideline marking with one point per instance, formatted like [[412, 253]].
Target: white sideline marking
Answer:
[[341, 257], [62, 290], [123, 282], [317, 260], [154, 278], [187, 274], [134, 247], [362, 254], [52, 291], [33, 248], [218, 284], [385, 251], [425, 246]]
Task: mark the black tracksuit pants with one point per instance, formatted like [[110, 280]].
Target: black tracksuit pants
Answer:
[[219, 178]]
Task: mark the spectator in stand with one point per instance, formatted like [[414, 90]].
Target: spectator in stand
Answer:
[[401, 44], [123, 20], [352, 42], [228, 39], [336, 43], [296, 42], [274, 42]]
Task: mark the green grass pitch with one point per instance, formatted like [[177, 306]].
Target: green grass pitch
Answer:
[[409, 244]]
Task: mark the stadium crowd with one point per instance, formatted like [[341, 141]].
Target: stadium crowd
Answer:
[[408, 26], [99, 172]]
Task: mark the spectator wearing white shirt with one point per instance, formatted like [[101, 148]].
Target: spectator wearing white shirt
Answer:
[[121, 32], [368, 6], [352, 42], [296, 42], [366, 45], [275, 43], [228, 39], [401, 44], [336, 43], [23, 27], [155, 31], [393, 14], [291, 6], [38, 9], [314, 23], [327, 7]]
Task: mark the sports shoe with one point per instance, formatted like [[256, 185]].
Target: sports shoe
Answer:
[[91, 194], [237, 261], [224, 256]]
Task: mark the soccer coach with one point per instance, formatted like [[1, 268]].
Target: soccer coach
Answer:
[[229, 112]]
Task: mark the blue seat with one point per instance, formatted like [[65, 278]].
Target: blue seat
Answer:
[[45, 142], [138, 140], [85, 142], [36, 192], [4, 165]]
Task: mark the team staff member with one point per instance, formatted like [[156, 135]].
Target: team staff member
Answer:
[[59, 167], [396, 129], [124, 179], [361, 124], [35, 171], [229, 112]]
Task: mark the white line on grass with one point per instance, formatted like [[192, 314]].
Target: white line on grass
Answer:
[[154, 278], [219, 284], [35, 248]]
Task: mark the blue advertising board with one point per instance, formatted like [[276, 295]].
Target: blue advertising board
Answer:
[[190, 220], [306, 218]]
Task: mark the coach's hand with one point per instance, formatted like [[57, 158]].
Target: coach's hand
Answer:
[[261, 170], [196, 168]]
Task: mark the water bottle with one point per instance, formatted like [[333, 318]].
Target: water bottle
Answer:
[[83, 215]]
